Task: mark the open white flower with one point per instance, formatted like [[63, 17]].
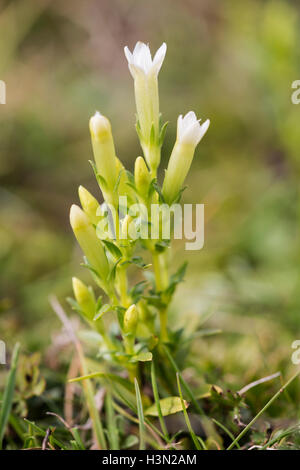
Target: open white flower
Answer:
[[145, 70], [140, 60], [189, 134], [189, 129]]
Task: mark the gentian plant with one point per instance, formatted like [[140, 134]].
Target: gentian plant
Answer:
[[131, 320]]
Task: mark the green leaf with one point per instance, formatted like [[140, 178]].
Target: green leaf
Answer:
[[77, 438], [119, 385], [186, 417], [9, 392], [162, 245], [168, 406], [185, 385], [139, 130], [140, 413], [101, 181], [113, 249], [176, 279], [157, 402], [155, 185], [40, 432], [137, 291], [99, 314], [112, 429], [152, 136], [142, 357], [130, 441], [178, 197], [112, 274], [163, 133], [116, 187]]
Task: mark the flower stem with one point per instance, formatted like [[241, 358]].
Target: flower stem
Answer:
[[123, 285], [161, 281]]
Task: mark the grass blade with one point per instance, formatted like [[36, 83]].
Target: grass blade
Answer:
[[77, 438], [186, 416], [229, 433], [269, 403], [111, 422], [9, 392], [183, 382], [140, 413], [156, 398], [40, 432]]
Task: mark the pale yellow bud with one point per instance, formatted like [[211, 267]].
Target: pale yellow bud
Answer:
[[104, 149], [84, 298], [89, 204], [131, 319], [88, 241]]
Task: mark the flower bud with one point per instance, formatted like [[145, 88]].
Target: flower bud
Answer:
[[104, 149], [131, 319], [189, 134], [85, 298], [88, 241], [142, 177], [89, 204]]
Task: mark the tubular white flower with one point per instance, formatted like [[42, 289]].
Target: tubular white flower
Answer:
[[145, 70], [189, 130], [140, 60], [189, 134]]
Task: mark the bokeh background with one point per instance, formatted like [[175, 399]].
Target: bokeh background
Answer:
[[231, 61]]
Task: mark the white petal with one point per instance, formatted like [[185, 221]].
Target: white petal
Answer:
[[142, 57], [189, 130], [128, 55], [189, 119], [159, 58], [192, 134], [179, 126], [204, 127]]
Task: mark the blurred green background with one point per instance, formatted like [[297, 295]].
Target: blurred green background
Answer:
[[230, 61]]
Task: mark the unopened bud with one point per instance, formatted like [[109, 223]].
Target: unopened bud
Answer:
[[84, 298], [89, 204], [131, 319], [88, 241], [104, 149]]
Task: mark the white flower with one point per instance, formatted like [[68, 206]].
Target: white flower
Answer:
[[189, 134], [140, 60], [189, 129]]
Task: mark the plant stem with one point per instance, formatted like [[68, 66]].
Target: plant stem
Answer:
[[123, 284], [269, 403], [161, 281]]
